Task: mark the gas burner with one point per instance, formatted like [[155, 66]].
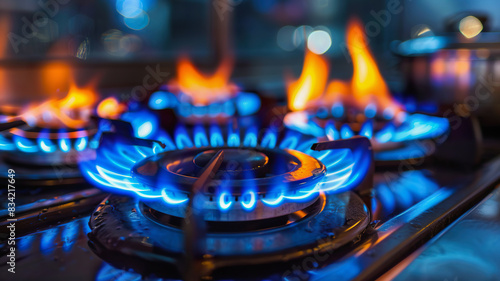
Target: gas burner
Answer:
[[267, 172], [340, 109], [43, 153], [54, 142], [393, 138], [234, 184], [199, 98], [241, 104]]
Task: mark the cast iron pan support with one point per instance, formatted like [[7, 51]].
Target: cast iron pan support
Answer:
[[194, 228], [364, 164]]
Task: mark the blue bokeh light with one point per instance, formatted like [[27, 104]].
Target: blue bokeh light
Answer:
[[161, 100], [144, 122], [247, 103], [138, 22]]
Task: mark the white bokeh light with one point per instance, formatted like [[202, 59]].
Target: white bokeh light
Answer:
[[319, 42]]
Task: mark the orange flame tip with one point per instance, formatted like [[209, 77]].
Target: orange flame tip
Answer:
[[311, 83], [204, 89], [72, 111], [367, 83], [110, 108]]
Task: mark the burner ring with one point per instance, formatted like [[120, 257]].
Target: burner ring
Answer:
[[237, 213], [294, 169], [48, 147], [393, 140], [237, 220], [35, 133]]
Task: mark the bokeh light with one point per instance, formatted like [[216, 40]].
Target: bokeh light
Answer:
[[470, 27], [137, 23], [319, 41]]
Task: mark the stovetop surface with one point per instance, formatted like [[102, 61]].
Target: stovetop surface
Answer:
[[409, 209]]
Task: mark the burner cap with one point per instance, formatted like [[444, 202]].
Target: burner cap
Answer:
[[234, 159], [259, 168], [251, 184]]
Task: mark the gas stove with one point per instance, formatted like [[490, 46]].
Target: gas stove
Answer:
[[217, 203], [204, 180]]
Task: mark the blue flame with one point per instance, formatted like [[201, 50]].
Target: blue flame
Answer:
[[6, 144], [214, 109], [25, 145], [216, 138], [367, 129], [184, 109], [46, 145], [170, 199], [162, 100], [225, 200], [273, 201], [116, 157], [110, 273], [337, 110], [270, 138], [233, 138], [228, 108], [145, 129], [200, 136], [244, 103], [182, 138], [81, 144], [331, 132], [388, 113], [165, 138], [386, 134], [346, 131], [370, 110], [247, 103], [409, 151], [301, 121], [290, 141], [200, 111], [64, 145], [414, 127], [248, 200], [143, 122], [322, 112], [250, 139], [402, 127]]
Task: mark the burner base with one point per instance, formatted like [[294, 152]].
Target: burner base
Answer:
[[124, 236], [277, 217]]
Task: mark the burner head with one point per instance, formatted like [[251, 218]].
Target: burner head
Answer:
[[43, 156], [47, 147], [242, 104], [261, 177], [393, 138], [249, 179], [263, 169]]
